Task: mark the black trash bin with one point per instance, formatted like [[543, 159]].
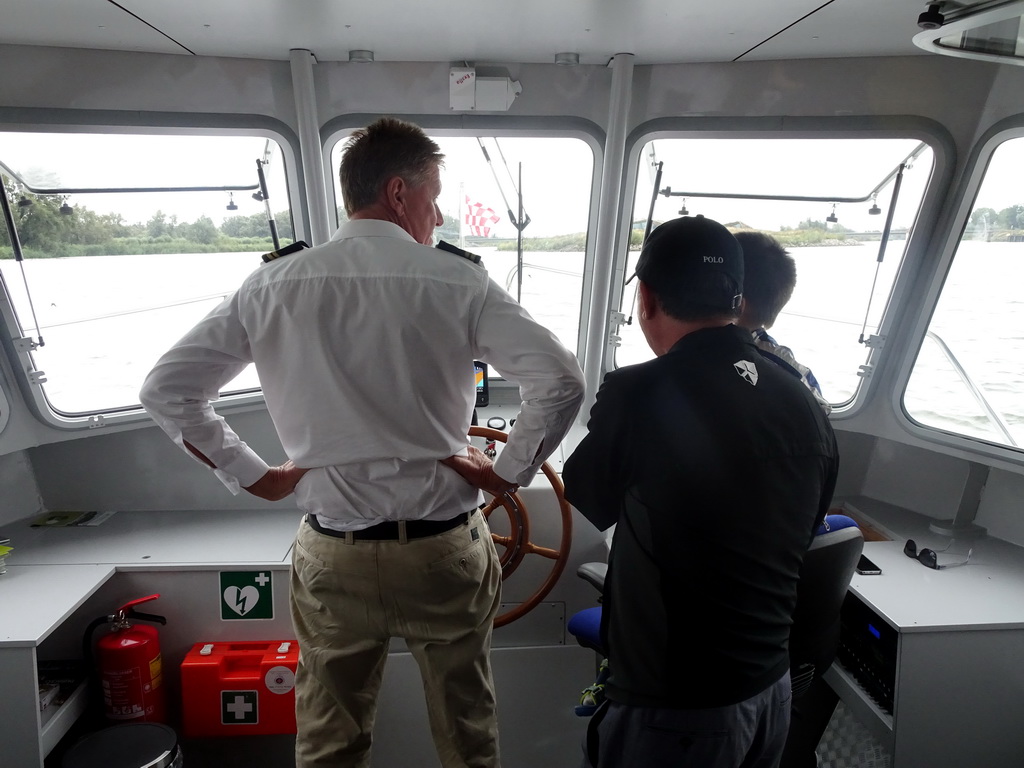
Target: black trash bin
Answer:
[[131, 745]]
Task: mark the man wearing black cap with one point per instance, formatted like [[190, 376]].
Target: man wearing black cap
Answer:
[[716, 466]]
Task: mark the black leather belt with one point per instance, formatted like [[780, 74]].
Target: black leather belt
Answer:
[[389, 530]]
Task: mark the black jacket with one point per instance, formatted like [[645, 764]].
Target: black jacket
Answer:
[[717, 466]]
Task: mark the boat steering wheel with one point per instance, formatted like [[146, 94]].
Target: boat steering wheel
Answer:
[[517, 545]]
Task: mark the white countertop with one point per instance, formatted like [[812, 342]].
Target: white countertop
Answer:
[[149, 538], [34, 599], [987, 593], [53, 571]]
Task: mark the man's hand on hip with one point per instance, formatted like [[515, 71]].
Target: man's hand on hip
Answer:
[[278, 482], [478, 470]]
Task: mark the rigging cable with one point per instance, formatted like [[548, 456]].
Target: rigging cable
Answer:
[[155, 29], [522, 213], [520, 221], [788, 26], [494, 173]]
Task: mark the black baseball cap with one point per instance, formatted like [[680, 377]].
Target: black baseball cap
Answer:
[[682, 249]]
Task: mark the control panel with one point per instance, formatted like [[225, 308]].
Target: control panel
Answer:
[[867, 650]]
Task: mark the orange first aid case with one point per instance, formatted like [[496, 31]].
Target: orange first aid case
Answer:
[[239, 689]]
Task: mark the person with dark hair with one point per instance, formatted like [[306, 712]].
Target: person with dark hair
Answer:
[[715, 466], [365, 348], [768, 284]]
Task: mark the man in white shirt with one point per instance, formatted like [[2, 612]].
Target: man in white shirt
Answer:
[[365, 348]]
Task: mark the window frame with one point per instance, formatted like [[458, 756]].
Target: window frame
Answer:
[[965, 195], [470, 126], [881, 127], [156, 124]]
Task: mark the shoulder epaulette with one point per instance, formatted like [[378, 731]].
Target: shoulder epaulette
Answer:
[[298, 245], [458, 251]]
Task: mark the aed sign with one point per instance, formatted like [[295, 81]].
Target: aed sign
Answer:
[[246, 595]]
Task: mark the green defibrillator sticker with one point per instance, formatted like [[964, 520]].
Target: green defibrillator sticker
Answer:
[[246, 595]]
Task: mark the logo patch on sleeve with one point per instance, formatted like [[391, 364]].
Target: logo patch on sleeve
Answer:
[[747, 370]]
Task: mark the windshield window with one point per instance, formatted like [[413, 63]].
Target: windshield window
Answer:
[[968, 373], [481, 181], [127, 240], [827, 201]]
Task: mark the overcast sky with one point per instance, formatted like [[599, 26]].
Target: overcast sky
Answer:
[[556, 176]]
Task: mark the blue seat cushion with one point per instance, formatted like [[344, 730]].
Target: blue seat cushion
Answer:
[[585, 626], [835, 523]]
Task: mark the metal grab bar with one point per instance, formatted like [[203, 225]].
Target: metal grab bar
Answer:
[[975, 390]]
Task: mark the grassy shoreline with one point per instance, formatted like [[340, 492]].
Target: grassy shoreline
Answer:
[[573, 243]]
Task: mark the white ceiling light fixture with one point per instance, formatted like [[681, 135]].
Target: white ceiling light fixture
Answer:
[[360, 56], [567, 59]]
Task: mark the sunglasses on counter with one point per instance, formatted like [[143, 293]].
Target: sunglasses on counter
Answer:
[[928, 557]]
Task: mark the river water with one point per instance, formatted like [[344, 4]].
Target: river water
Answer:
[[105, 320]]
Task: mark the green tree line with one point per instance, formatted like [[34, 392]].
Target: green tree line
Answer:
[[1007, 219], [806, 233], [48, 227]]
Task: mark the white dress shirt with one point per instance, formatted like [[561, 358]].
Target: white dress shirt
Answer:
[[364, 348]]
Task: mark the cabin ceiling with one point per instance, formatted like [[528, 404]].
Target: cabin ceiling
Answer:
[[487, 31]]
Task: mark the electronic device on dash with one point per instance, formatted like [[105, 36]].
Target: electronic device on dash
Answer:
[[866, 567], [483, 396]]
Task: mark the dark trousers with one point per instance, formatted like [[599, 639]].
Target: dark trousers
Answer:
[[750, 734], [811, 715]]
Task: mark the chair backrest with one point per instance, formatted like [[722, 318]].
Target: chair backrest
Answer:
[[824, 578], [594, 573], [585, 625]]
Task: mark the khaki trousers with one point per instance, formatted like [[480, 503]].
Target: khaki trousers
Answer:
[[440, 594]]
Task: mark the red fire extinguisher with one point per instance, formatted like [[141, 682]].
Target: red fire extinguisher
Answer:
[[128, 665]]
